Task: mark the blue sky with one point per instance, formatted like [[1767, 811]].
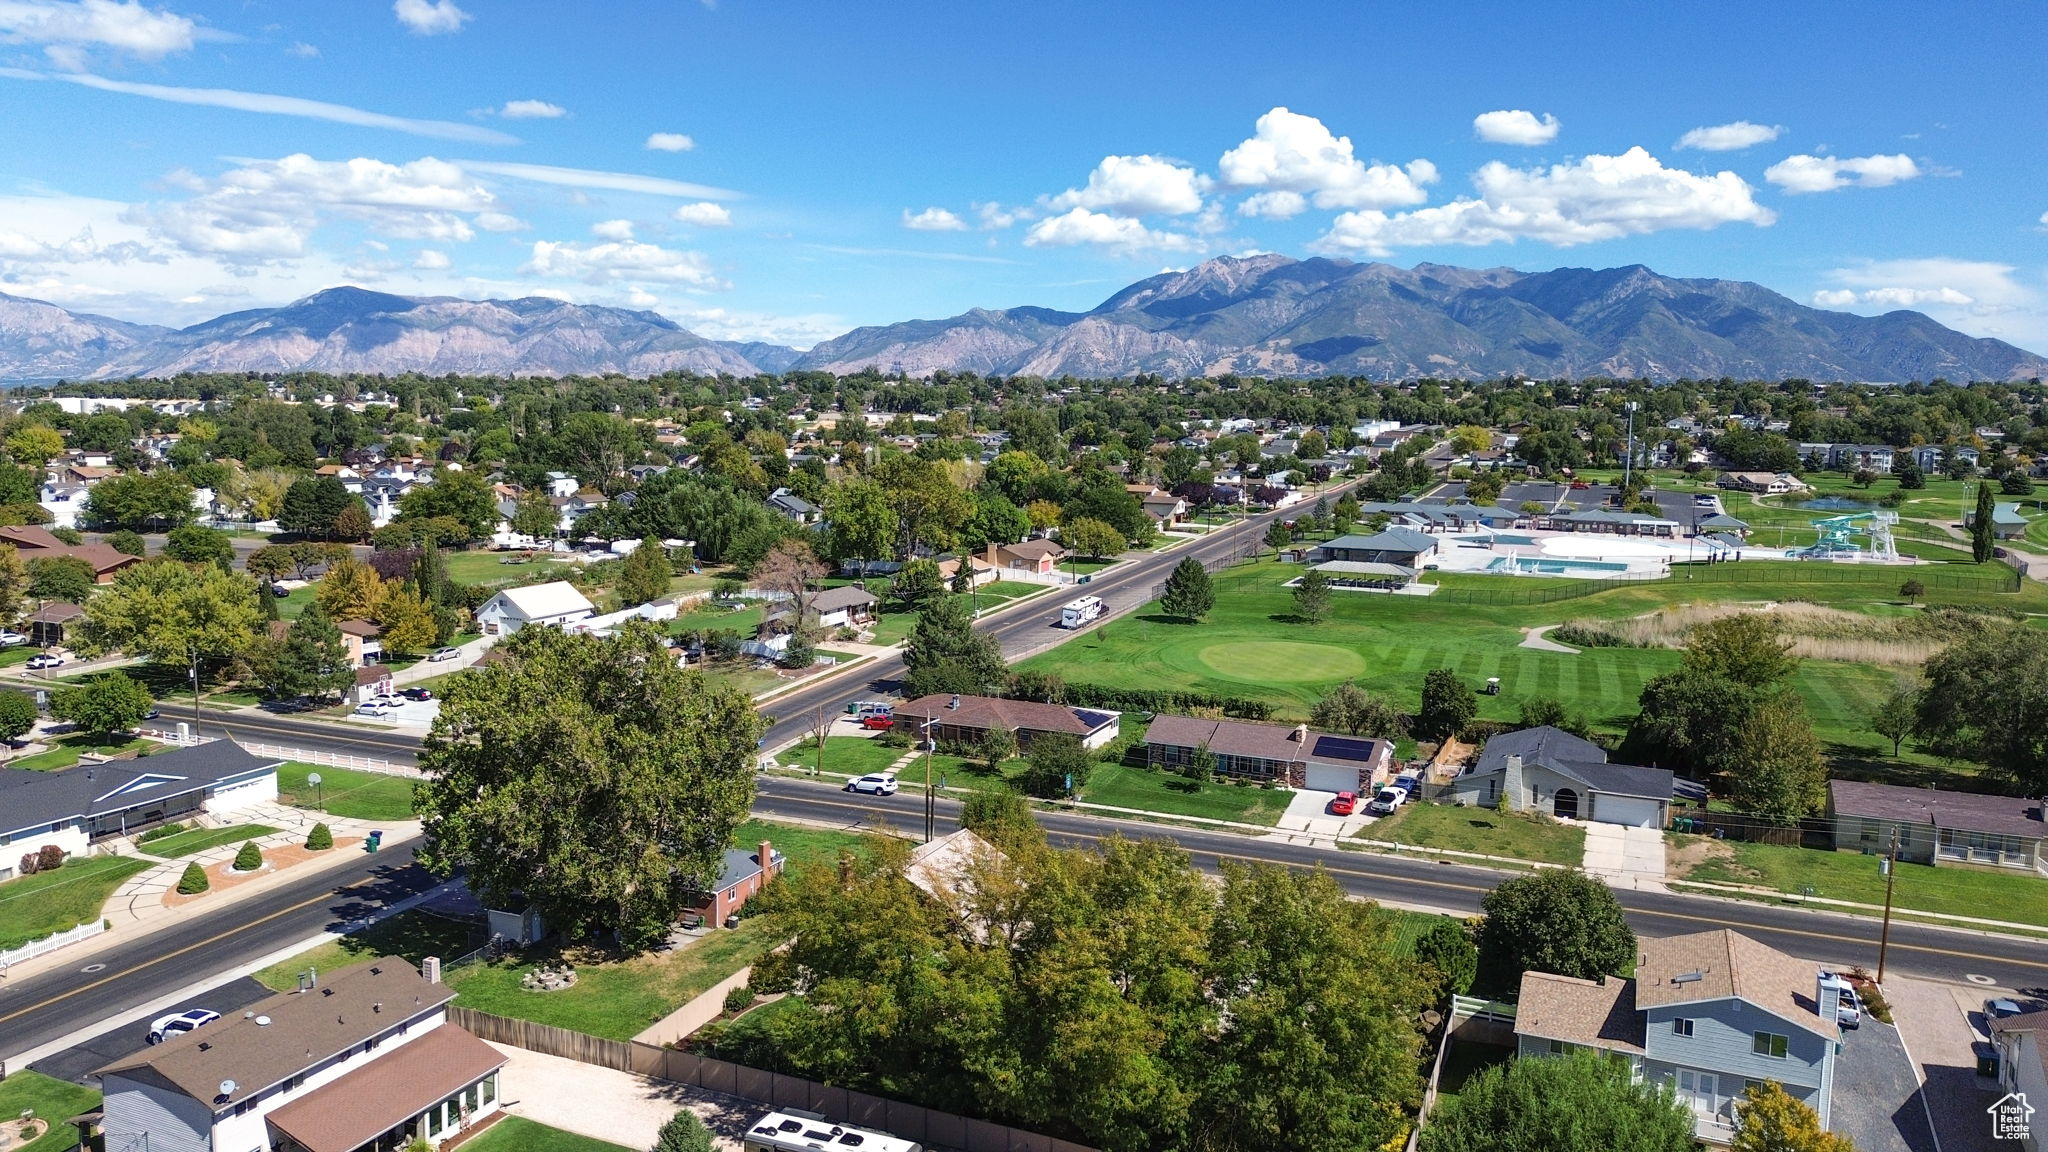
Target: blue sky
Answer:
[[787, 171]]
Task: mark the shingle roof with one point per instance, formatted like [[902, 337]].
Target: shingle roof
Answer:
[[1962, 811], [28, 799], [304, 1029], [1394, 539], [1265, 741], [834, 599], [1543, 744], [988, 712], [1598, 1014], [354, 1109], [1720, 964]]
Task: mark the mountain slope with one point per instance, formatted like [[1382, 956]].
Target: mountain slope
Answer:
[[43, 341]]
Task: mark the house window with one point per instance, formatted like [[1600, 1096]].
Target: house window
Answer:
[[490, 1088], [1681, 1026], [1870, 831], [1768, 1044], [1557, 1047], [434, 1120], [469, 1098]]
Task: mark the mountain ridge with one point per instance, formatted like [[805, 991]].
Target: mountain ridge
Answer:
[[1266, 314]]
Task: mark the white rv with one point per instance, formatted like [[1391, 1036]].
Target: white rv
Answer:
[[1082, 612]]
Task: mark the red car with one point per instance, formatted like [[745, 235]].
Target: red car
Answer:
[[1580, 485], [878, 722], [1345, 804]]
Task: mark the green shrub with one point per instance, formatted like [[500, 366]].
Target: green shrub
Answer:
[[160, 831], [320, 839], [250, 858], [1581, 634], [193, 882], [738, 1000]]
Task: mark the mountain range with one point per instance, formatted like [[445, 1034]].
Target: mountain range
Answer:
[[1259, 315]]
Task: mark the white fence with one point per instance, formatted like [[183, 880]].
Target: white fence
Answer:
[[49, 944], [287, 752]]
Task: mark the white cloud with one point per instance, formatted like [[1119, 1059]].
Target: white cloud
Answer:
[[703, 214], [1514, 126], [669, 142], [1979, 297], [429, 17], [500, 222], [1136, 186], [603, 181], [1295, 156], [994, 216], [276, 106], [2044, 220], [532, 110], [793, 331], [267, 210], [1889, 298], [624, 263], [431, 259], [1827, 173], [612, 230], [933, 220], [1730, 137], [302, 50], [64, 27], [1593, 198], [1080, 226]]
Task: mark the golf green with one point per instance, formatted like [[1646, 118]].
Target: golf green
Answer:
[[1267, 661]]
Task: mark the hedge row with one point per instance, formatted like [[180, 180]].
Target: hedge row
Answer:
[[1052, 690]]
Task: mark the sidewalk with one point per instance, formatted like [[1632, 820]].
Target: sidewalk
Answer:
[[1823, 903]]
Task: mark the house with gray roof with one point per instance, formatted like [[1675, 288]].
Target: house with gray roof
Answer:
[[2006, 521], [1550, 770], [1293, 756], [75, 807], [1933, 826], [1396, 545]]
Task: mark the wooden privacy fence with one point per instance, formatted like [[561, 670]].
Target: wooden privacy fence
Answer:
[[771, 1090]]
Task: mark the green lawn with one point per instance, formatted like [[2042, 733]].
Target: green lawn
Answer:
[[346, 792], [1481, 830], [1122, 786], [518, 1134], [1957, 891], [32, 907], [68, 749], [489, 568], [1002, 592], [413, 935], [892, 627], [49, 1099], [200, 839], [15, 657], [1409, 927], [294, 603], [802, 845], [743, 620], [851, 755]]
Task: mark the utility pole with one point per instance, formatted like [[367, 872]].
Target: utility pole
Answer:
[[1628, 462], [1890, 865], [930, 797]]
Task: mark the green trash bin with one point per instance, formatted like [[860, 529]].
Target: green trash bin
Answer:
[[1987, 1061]]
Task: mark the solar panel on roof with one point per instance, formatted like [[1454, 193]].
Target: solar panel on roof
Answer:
[[1344, 747]]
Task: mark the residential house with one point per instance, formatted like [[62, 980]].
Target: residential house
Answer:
[[1547, 769], [741, 875], [79, 806], [46, 625], [1933, 826], [1768, 483], [575, 506], [1041, 557], [658, 611], [967, 720], [980, 573], [1877, 458], [794, 507], [1293, 756], [2022, 1045], [1163, 507], [2006, 521], [363, 1059], [363, 639], [842, 607], [63, 501], [1709, 1013], [349, 477], [372, 681], [1404, 547], [33, 543], [554, 605]]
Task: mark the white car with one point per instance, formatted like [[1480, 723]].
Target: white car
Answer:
[[11, 639], [440, 654], [178, 1023], [389, 699], [879, 783], [1389, 798], [377, 708], [45, 660]]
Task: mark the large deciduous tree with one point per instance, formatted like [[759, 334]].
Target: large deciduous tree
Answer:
[[1353, 711], [141, 500], [462, 495], [790, 572], [592, 775], [1782, 775], [535, 516], [314, 660], [1770, 1119], [1312, 597], [197, 544], [107, 703], [1581, 1102], [644, 575], [1093, 538], [67, 578], [1447, 705], [173, 613], [310, 506], [1984, 701], [1559, 921], [351, 590]]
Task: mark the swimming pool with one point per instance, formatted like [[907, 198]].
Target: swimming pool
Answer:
[[1541, 566], [1510, 538]]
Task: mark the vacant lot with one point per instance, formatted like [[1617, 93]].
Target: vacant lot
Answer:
[[847, 755], [32, 907], [1957, 891], [345, 792]]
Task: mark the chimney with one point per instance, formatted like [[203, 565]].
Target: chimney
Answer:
[[1300, 735], [1511, 783], [954, 702], [993, 563], [767, 859], [430, 969]]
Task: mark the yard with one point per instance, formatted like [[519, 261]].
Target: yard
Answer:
[[1455, 829], [39, 1097], [1121, 786], [848, 755], [412, 935], [345, 792], [67, 749], [518, 1134], [200, 839], [1953, 890], [32, 907]]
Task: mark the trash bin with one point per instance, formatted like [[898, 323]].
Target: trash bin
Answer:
[[373, 842], [1987, 1060]]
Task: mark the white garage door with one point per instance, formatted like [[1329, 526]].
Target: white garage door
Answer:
[[1332, 778], [1635, 811]]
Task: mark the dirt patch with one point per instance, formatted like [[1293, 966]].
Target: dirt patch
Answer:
[[22, 1133], [223, 875], [1680, 859]]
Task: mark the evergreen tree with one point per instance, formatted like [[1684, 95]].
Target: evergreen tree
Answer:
[[250, 858], [683, 1133], [314, 660], [1190, 594], [1312, 597], [1982, 543], [946, 654], [430, 574], [320, 839], [193, 881], [644, 575], [266, 595]]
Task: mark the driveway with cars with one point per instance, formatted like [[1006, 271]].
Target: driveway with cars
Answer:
[[419, 714], [1946, 1026]]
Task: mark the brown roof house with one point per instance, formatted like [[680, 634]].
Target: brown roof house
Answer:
[[362, 1059], [363, 639], [1295, 756], [967, 720], [46, 625], [35, 543], [1708, 1013], [1937, 827], [1040, 556]]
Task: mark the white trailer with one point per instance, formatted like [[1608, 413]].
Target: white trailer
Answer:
[[1080, 613]]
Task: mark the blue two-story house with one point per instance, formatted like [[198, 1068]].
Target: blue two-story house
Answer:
[[1710, 1013]]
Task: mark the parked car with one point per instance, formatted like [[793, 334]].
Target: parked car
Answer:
[[1407, 784], [280, 591], [45, 660], [375, 708], [11, 639], [1848, 1005], [1345, 804], [1580, 485], [878, 722], [178, 1023], [1389, 798], [2000, 1008], [418, 693], [878, 783], [440, 654]]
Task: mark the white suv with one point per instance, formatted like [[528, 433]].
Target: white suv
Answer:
[[879, 783], [178, 1023]]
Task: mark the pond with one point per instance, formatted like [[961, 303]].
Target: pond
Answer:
[[1836, 504]]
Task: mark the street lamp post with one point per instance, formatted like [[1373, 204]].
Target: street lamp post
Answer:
[[1890, 864], [1628, 462]]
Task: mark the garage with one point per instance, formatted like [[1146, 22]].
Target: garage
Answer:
[[1332, 778], [1634, 811]]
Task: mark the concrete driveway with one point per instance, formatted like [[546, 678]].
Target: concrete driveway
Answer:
[[1944, 1025], [1308, 814], [1624, 857], [1877, 1098]]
